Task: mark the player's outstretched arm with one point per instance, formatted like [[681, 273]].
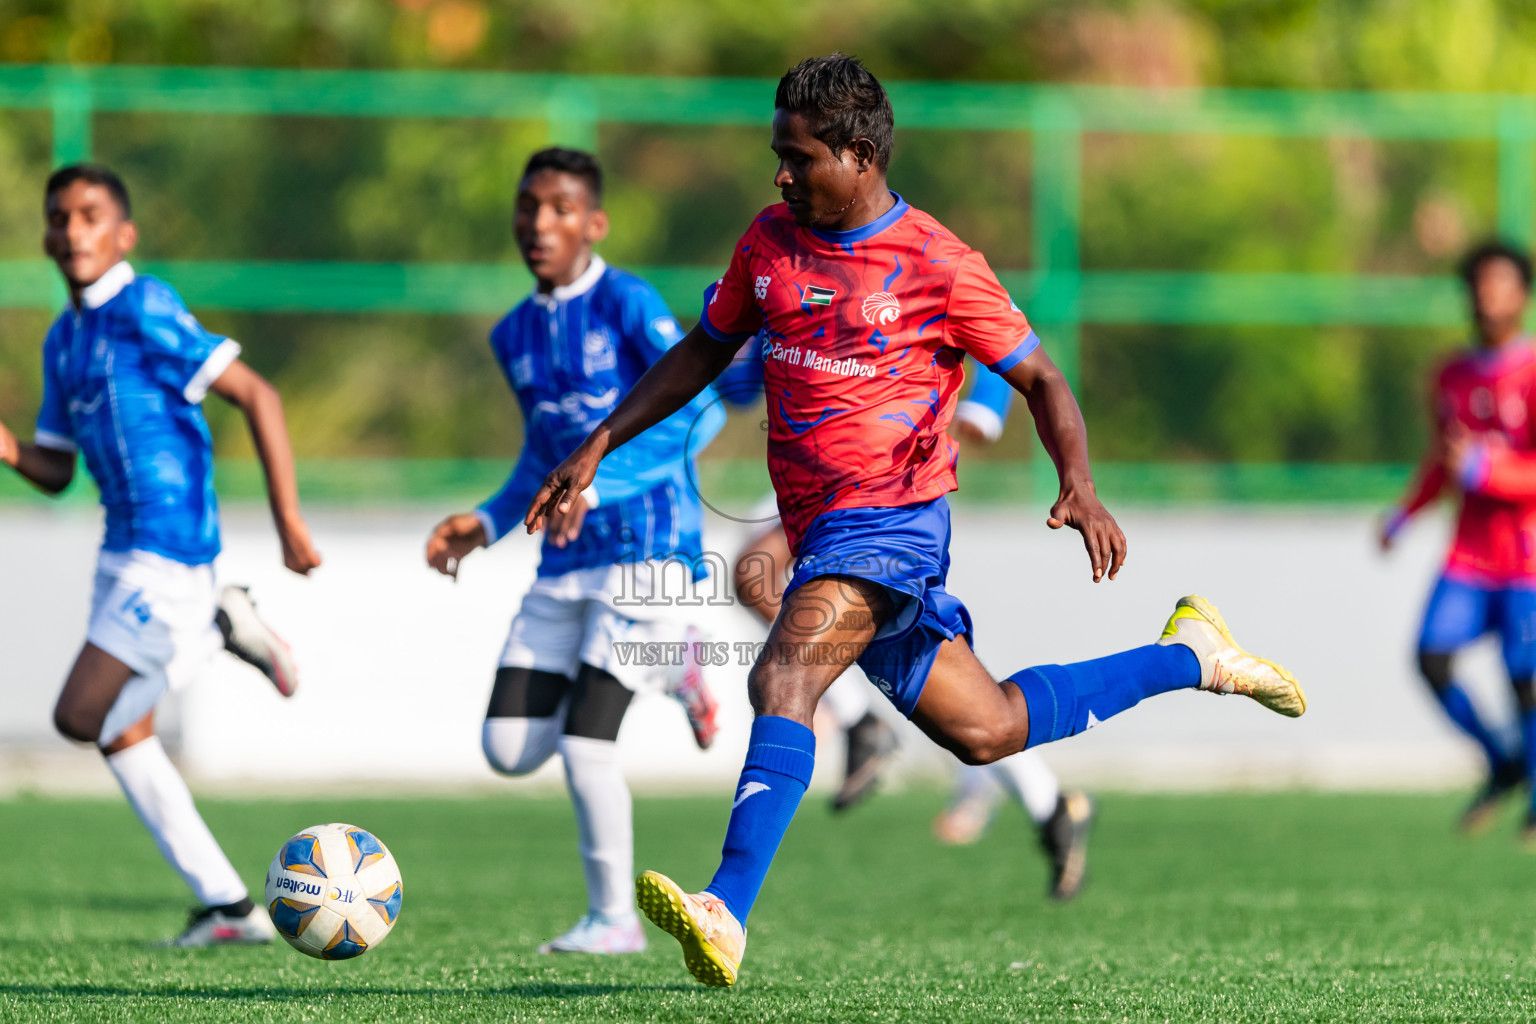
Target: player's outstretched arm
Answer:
[[1059, 423], [1428, 482], [248, 391], [681, 373], [47, 469]]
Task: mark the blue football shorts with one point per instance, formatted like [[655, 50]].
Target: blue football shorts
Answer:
[[1460, 611], [906, 550]]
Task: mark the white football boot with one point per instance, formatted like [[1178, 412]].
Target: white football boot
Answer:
[[713, 940], [686, 682], [254, 642], [208, 927], [1224, 666], [592, 934]]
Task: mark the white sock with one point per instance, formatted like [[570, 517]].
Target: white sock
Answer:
[[164, 805], [1031, 781], [518, 746], [604, 821], [848, 698]]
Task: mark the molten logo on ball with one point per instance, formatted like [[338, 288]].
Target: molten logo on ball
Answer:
[[353, 912]]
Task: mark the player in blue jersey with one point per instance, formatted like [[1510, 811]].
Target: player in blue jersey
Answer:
[[763, 567], [571, 351], [872, 305], [125, 370]]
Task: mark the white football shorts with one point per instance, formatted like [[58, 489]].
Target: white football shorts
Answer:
[[155, 615], [571, 619]]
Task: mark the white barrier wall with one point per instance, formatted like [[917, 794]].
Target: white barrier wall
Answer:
[[397, 661]]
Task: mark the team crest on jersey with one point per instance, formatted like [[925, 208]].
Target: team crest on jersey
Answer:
[[597, 353], [667, 328], [881, 308]]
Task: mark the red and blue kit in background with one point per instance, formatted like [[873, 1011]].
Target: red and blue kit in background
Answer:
[[1489, 580], [865, 333]]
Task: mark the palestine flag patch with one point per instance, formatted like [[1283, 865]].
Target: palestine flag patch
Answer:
[[818, 296]]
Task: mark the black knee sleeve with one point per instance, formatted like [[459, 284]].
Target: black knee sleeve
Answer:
[[1525, 694], [526, 693], [1436, 668], [598, 703]]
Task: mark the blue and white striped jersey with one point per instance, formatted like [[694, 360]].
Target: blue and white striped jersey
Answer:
[[123, 382], [570, 356]]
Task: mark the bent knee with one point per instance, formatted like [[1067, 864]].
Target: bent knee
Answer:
[[76, 723], [984, 744], [518, 746]]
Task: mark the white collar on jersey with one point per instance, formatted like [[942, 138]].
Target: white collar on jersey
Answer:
[[583, 284], [105, 288]]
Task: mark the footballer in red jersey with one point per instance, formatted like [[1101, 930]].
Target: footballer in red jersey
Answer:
[[871, 306], [867, 331], [1485, 444]]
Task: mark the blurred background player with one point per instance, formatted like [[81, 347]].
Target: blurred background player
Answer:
[[763, 568], [871, 305], [570, 351], [125, 370], [1483, 441]]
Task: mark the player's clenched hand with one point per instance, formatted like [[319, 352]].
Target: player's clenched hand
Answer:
[[454, 538], [1101, 534], [563, 486], [299, 553], [565, 527], [1458, 448]]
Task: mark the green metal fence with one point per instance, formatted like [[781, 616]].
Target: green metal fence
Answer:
[[1058, 294]]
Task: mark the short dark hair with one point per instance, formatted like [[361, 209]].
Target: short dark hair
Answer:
[[93, 174], [576, 162], [843, 100], [1495, 249]]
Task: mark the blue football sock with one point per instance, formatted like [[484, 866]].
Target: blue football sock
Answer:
[[780, 757], [1064, 700], [1459, 706], [1528, 733]]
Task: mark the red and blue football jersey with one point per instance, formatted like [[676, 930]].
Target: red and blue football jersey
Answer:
[[1492, 394], [866, 333]]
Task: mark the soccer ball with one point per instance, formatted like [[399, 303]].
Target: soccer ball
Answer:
[[333, 891]]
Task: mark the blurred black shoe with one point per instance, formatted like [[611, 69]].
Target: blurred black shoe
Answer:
[[870, 745], [1064, 837], [1504, 781]]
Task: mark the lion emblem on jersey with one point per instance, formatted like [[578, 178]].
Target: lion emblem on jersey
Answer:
[[881, 308]]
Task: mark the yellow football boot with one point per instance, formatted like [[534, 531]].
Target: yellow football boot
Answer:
[[712, 939], [1224, 666]]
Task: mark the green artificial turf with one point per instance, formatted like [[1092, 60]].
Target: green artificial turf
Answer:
[[1290, 907]]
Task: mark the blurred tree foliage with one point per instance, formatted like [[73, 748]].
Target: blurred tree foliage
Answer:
[[306, 189]]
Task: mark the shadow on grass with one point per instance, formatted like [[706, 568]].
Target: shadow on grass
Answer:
[[293, 994]]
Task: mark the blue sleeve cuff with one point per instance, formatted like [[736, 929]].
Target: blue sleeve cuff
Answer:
[[713, 331], [488, 524], [1018, 355]]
